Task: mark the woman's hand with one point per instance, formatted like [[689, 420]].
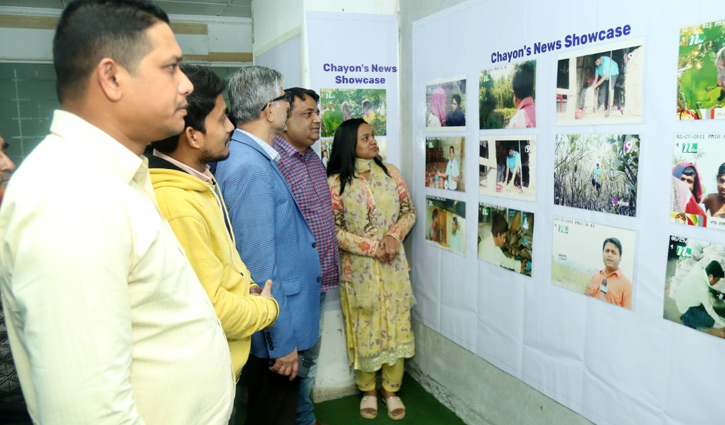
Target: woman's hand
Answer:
[[381, 253], [391, 247]]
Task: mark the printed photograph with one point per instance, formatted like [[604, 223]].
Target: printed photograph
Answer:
[[598, 86], [506, 238], [694, 285], [507, 97], [507, 167], [698, 180], [446, 104], [445, 223], [701, 72], [445, 160], [597, 172], [594, 260], [338, 105]]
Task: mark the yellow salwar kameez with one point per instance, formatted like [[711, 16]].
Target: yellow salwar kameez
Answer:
[[376, 297]]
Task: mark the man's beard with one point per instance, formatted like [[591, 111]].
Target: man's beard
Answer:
[[207, 157]]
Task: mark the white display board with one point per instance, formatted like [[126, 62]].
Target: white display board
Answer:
[[357, 53], [611, 364]]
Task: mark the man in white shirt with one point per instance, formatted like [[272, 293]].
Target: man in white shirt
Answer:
[[107, 321], [694, 300], [490, 247], [453, 171]]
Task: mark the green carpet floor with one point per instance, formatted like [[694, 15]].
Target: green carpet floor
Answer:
[[421, 409]]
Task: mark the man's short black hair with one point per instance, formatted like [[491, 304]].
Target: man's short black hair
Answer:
[[499, 224], [523, 80], [457, 97], [299, 92], [90, 30], [714, 269], [614, 241], [207, 87], [721, 170]]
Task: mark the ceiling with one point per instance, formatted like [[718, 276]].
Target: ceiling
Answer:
[[226, 8]]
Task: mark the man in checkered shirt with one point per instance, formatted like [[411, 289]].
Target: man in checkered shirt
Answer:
[[306, 176]]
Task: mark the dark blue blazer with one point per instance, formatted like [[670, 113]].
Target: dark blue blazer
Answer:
[[275, 242]]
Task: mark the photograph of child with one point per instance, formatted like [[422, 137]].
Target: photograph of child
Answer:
[[701, 72], [594, 260], [338, 105], [506, 98], [694, 285], [507, 167], [596, 86], [445, 223], [698, 180], [597, 172], [446, 104], [445, 163], [506, 238]]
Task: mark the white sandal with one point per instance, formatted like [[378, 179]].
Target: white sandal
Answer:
[[394, 403], [369, 402]]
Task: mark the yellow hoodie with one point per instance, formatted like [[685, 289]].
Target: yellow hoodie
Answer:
[[198, 217]]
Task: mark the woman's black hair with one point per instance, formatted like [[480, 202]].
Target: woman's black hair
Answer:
[[342, 157]]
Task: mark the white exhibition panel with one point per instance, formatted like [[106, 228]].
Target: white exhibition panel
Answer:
[[350, 40], [612, 365]]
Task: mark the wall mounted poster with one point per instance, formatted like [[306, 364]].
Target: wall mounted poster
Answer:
[[507, 96], [600, 86], [445, 161], [597, 172], [445, 223], [446, 104], [338, 105], [594, 260], [507, 166], [506, 238], [701, 72], [694, 285], [698, 180]]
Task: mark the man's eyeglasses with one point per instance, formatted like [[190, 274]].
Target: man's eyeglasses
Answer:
[[287, 97]]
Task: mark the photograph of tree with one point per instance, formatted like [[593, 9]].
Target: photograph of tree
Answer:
[[338, 105], [596, 86], [446, 104], [694, 285], [597, 172], [698, 180], [701, 72], [506, 96], [594, 260]]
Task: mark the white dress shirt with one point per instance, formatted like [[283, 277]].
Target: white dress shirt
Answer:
[[107, 320]]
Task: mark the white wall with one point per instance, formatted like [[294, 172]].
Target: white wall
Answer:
[[224, 35]]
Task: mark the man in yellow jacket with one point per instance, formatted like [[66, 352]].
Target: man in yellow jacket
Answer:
[[190, 199]]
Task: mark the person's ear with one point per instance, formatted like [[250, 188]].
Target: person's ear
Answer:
[[193, 137], [110, 77]]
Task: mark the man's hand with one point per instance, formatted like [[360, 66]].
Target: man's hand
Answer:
[[287, 365], [391, 247], [267, 291]]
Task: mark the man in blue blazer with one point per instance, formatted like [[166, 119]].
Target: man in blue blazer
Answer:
[[274, 241]]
